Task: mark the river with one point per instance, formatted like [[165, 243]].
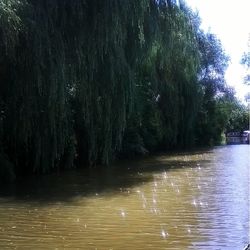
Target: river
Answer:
[[192, 200]]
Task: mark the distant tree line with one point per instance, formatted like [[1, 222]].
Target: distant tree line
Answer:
[[83, 82]]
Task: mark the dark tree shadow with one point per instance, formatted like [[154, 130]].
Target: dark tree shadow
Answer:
[[123, 175]]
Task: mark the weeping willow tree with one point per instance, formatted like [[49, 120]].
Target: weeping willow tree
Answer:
[[84, 81], [214, 61], [105, 92], [10, 27], [36, 129], [167, 89], [185, 60], [67, 69]]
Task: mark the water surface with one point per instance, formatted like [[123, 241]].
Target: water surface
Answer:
[[193, 200]]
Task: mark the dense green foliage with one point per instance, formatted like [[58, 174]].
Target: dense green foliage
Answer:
[[87, 81], [210, 123], [234, 113]]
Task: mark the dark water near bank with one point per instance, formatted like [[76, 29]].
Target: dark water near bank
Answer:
[[197, 200]]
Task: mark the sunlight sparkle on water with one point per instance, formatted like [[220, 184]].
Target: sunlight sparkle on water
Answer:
[[123, 214], [194, 203], [164, 234], [165, 176]]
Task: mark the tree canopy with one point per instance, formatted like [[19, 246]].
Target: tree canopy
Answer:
[[84, 82]]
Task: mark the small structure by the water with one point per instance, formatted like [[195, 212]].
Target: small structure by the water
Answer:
[[238, 137], [247, 247]]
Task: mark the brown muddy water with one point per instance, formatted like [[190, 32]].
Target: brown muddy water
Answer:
[[195, 200]]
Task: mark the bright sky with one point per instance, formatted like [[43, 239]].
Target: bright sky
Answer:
[[230, 21]]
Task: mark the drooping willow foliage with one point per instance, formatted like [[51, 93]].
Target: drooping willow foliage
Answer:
[[86, 81], [167, 88]]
